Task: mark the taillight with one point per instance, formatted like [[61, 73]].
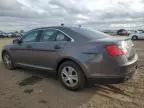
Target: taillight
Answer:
[[114, 50]]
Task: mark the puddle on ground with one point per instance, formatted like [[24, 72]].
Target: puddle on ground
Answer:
[[43, 101], [30, 80], [28, 91]]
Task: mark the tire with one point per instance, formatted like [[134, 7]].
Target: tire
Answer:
[[76, 76], [7, 60], [134, 37]]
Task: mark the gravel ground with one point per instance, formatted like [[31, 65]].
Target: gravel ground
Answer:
[[23, 88]]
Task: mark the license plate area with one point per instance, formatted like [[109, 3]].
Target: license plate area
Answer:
[[130, 69]]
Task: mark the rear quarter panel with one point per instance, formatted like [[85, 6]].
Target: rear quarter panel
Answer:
[[85, 54]]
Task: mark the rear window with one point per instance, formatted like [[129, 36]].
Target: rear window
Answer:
[[90, 33]]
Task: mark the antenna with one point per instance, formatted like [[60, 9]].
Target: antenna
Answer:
[[79, 26], [62, 24]]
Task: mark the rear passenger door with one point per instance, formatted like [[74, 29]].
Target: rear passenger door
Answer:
[[49, 49]]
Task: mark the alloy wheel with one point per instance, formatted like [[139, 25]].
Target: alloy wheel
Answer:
[[7, 60], [69, 76]]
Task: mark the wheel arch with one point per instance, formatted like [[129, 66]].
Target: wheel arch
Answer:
[[82, 67], [3, 51], [134, 36]]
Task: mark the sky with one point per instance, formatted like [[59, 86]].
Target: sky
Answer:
[[99, 14]]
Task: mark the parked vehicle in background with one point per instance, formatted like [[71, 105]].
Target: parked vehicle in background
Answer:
[[139, 34], [75, 54], [122, 32], [9, 35], [3, 34], [16, 34], [110, 32]]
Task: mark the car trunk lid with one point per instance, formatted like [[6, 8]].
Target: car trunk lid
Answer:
[[124, 43]]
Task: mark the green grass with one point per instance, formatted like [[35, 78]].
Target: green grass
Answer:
[[3, 41]]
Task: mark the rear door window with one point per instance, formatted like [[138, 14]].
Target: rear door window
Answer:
[[48, 35], [62, 37]]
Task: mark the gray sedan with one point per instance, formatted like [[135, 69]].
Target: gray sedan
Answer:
[[77, 55]]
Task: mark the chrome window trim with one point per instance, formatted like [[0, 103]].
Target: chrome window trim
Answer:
[[72, 40]]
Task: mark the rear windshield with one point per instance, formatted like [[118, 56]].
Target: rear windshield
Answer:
[[90, 33]]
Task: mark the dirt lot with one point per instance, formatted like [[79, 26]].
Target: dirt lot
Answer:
[[30, 89]]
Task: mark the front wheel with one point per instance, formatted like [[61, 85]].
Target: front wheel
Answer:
[[71, 76], [7, 60]]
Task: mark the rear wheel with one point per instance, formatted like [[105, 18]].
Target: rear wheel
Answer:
[[134, 37], [71, 76], [7, 60]]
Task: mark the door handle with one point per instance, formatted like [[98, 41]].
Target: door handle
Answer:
[[29, 46], [57, 47]]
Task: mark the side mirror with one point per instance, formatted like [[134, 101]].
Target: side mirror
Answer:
[[17, 41]]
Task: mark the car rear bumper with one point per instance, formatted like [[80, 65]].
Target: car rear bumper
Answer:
[[111, 80], [128, 72]]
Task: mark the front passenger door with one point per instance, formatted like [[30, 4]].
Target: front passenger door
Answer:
[[22, 52]]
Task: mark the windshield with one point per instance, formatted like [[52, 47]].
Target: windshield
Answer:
[[90, 33]]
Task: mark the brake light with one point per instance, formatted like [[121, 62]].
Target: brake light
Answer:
[[114, 50]]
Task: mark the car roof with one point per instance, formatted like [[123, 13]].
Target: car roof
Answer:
[[56, 27], [68, 30]]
